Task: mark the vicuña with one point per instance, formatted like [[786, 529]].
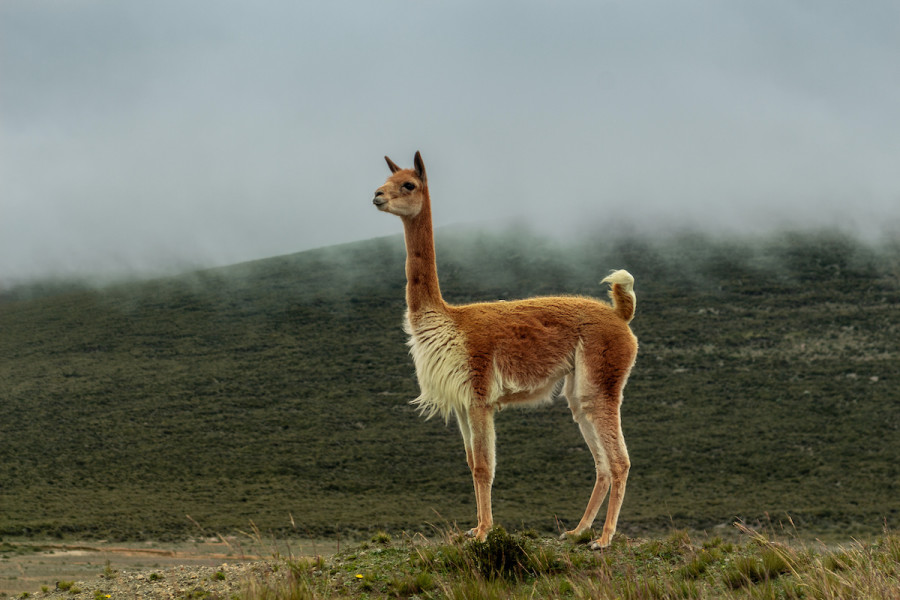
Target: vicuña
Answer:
[[475, 359]]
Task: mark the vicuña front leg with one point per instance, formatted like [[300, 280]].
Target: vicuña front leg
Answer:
[[481, 426]]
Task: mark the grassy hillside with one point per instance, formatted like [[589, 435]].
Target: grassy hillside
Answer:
[[768, 384]]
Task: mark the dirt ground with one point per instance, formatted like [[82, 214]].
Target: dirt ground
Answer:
[[27, 565]]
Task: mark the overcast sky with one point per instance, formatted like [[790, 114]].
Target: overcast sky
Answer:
[[142, 136]]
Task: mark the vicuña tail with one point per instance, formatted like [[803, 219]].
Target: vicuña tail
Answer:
[[622, 293]]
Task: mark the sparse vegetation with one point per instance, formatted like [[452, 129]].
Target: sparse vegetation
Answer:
[[108, 571], [670, 568]]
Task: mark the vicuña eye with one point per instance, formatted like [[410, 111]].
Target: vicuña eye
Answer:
[[409, 186]]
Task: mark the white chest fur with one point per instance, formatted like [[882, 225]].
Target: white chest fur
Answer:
[[438, 350]]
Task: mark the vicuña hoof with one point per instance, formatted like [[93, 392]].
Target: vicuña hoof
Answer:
[[600, 544]]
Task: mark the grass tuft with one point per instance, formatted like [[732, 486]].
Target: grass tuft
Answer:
[[382, 538], [411, 585], [501, 555]]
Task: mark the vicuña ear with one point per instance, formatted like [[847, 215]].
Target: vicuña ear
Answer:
[[392, 165], [420, 168]]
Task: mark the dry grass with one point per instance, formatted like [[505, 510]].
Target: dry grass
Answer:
[[524, 566]]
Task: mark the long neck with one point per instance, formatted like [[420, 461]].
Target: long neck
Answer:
[[422, 288]]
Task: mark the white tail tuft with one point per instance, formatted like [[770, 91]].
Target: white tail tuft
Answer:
[[622, 293], [622, 277]]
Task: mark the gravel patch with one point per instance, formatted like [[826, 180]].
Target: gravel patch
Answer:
[[224, 582]]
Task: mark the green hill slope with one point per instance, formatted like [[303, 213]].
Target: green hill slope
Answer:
[[767, 384]]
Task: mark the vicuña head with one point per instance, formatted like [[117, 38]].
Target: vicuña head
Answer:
[[406, 190], [474, 359]]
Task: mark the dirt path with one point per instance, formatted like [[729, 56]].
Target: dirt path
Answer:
[[29, 566]]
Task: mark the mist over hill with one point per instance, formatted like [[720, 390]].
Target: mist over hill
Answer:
[[277, 392]]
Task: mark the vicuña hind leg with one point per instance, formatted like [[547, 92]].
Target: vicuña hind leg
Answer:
[[596, 410], [601, 464], [609, 431]]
